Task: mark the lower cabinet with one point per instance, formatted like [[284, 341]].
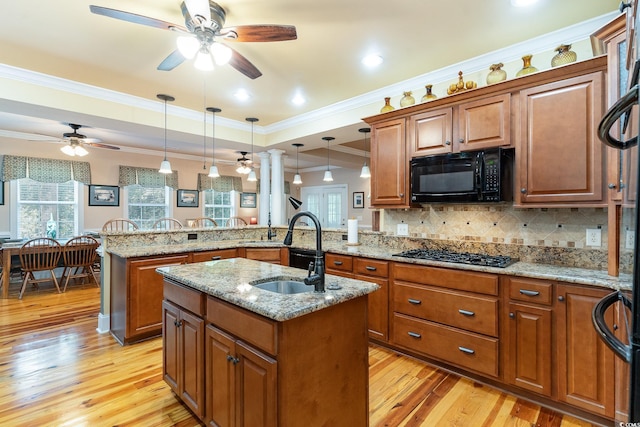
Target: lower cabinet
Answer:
[[214, 255], [242, 381], [272, 255]]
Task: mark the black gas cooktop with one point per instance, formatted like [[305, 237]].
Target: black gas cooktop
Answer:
[[458, 257]]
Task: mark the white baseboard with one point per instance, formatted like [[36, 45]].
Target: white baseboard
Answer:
[[103, 323]]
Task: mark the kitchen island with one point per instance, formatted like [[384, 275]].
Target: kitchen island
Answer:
[[239, 355]]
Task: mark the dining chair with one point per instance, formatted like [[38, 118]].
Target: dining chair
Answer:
[[40, 254], [119, 224], [79, 254], [167, 224], [235, 221], [204, 222]]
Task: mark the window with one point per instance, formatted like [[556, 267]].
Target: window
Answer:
[[39, 202], [219, 205], [328, 203], [146, 205]]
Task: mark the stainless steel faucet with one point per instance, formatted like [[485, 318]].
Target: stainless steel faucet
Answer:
[[317, 278]]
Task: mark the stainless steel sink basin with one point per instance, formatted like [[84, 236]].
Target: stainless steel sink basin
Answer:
[[285, 287]]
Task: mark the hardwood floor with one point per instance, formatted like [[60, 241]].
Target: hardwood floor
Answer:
[[56, 370]]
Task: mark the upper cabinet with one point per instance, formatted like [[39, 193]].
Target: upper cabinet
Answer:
[[431, 132], [485, 123], [389, 164]]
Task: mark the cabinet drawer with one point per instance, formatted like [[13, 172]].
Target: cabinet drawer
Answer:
[[532, 291], [483, 283], [213, 255], [371, 267], [470, 312], [254, 329], [187, 298], [338, 262], [262, 254], [465, 349]]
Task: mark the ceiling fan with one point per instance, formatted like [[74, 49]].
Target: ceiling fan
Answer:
[[75, 142], [201, 35], [244, 163]]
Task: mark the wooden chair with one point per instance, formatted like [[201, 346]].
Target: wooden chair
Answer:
[[204, 222], [41, 254], [79, 254], [167, 224], [119, 224], [235, 221]]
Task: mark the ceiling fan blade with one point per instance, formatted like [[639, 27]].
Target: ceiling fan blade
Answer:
[[174, 59], [243, 65], [198, 8], [260, 33], [98, 145], [134, 18]]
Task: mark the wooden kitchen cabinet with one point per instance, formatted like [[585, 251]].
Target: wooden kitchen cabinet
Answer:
[[376, 271], [340, 265], [272, 255], [585, 364], [431, 132], [389, 164], [529, 338], [559, 157], [136, 296], [214, 255]]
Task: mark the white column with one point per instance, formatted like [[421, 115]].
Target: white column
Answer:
[[265, 188], [277, 190]]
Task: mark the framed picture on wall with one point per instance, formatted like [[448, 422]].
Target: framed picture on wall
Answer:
[[247, 200], [188, 199], [104, 195], [358, 200]]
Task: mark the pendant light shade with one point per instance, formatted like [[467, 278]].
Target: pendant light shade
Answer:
[[297, 179], [365, 172], [213, 170], [252, 173], [165, 166], [328, 177]]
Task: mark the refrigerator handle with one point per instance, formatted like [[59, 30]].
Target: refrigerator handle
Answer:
[[619, 109], [597, 316]]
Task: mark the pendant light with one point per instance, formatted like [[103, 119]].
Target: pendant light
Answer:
[[366, 172], [328, 177], [252, 174], [165, 166], [213, 170], [297, 179]]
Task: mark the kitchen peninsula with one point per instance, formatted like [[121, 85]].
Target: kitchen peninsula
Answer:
[[236, 352]]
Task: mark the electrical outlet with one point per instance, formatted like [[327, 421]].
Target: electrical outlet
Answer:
[[403, 230], [594, 237], [630, 239]]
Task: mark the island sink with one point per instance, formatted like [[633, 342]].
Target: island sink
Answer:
[[284, 287]]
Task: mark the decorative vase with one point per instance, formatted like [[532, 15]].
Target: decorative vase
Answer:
[[497, 74], [564, 56], [387, 106], [51, 227], [407, 99], [527, 68], [429, 95]]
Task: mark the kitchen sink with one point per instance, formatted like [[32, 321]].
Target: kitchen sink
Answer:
[[284, 287]]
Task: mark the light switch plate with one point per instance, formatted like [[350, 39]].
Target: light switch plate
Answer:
[[403, 230]]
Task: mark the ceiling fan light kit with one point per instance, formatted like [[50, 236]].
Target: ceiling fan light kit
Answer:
[[74, 149]]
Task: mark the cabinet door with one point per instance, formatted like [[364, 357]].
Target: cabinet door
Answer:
[[485, 123], [560, 157], [170, 345], [271, 255], [256, 390], [389, 165], [529, 348], [585, 363], [144, 317], [192, 361], [378, 308], [220, 378], [431, 133]]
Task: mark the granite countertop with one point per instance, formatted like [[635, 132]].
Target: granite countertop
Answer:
[[231, 280], [523, 269]]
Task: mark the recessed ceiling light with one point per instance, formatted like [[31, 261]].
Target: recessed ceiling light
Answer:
[[523, 3], [372, 60], [242, 95], [298, 99]]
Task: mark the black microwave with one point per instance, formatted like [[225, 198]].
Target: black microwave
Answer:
[[467, 177]]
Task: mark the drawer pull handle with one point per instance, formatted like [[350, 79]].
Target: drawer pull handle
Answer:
[[466, 312], [529, 293], [368, 267], [337, 262], [232, 359], [414, 301], [215, 258], [466, 350], [414, 334]]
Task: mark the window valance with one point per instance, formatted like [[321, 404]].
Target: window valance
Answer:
[[222, 183], [147, 177], [45, 170], [287, 187]]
